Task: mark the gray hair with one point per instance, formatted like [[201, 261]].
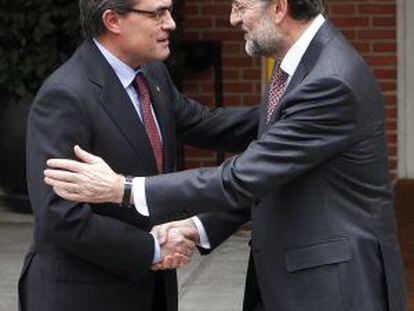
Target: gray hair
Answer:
[[303, 9], [91, 12]]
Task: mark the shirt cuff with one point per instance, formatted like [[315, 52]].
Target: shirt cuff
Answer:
[[140, 199], [157, 250], [204, 240]]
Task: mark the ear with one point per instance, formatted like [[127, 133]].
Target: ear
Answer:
[[111, 20], [281, 10]]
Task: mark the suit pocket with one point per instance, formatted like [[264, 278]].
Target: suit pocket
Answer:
[[323, 253]]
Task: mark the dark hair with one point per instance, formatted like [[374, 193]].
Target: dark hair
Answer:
[[304, 9], [91, 14]]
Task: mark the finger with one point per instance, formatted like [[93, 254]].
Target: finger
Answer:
[[167, 262], [190, 233], [155, 229], [188, 252], [156, 267], [174, 261], [67, 186], [181, 260], [86, 156], [65, 164], [62, 175], [189, 244], [159, 266], [71, 196]]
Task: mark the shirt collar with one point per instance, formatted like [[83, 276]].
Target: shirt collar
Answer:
[[124, 72], [292, 58]]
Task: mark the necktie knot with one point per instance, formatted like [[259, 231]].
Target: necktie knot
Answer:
[[140, 85]]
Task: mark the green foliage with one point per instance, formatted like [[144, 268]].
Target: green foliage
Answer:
[[36, 36]]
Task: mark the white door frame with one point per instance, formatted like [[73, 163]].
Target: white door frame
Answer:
[[405, 26]]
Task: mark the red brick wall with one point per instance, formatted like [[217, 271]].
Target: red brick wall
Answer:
[[369, 24]]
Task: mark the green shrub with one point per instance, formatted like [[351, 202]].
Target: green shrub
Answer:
[[36, 37]]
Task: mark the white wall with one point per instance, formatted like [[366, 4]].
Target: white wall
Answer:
[[405, 88]]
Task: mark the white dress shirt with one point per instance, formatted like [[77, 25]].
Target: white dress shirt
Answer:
[[289, 65], [294, 55]]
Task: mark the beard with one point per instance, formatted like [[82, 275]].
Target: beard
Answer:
[[264, 39]]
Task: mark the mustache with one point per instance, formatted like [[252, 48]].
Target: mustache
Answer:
[[243, 28]]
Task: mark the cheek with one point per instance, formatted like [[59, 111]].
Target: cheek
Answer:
[[249, 23], [152, 43], [152, 48]]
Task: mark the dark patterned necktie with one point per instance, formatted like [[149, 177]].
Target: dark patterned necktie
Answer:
[[277, 88], [148, 119]]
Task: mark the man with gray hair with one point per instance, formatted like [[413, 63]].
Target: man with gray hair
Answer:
[[324, 235], [115, 98]]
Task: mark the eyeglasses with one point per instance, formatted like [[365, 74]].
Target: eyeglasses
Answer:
[[157, 15]]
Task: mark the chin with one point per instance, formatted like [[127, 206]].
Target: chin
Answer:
[[250, 49], [164, 53], [159, 56]]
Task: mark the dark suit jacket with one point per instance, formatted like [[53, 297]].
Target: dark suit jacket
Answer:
[[98, 257], [324, 233]]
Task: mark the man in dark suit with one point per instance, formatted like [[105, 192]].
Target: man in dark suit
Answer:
[[316, 179], [115, 98]]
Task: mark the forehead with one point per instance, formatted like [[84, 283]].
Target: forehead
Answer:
[[154, 3], [244, 2]]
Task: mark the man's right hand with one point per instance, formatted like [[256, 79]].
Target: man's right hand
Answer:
[[178, 241]]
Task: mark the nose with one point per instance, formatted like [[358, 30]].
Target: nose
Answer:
[[235, 18], [169, 23]]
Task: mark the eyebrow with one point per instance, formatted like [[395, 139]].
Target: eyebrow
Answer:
[[163, 7]]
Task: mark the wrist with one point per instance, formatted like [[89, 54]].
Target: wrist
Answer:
[[119, 189], [194, 226]]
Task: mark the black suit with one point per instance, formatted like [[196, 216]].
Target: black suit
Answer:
[[98, 257], [324, 233]]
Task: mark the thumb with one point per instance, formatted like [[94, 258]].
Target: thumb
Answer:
[[190, 233], [162, 233], [85, 156]]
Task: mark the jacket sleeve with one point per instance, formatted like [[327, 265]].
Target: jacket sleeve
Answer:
[[56, 122], [318, 122], [220, 226]]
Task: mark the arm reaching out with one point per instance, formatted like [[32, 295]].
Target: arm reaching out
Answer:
[[91, 180]]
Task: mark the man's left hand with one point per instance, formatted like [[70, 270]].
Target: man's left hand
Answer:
[[91, 181]]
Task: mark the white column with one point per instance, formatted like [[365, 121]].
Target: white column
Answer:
[[405, 88]]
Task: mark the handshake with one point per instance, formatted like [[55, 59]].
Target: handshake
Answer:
[[177, 240]]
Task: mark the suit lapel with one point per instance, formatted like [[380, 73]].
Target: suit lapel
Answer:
[[324, 34], [119, 107]]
